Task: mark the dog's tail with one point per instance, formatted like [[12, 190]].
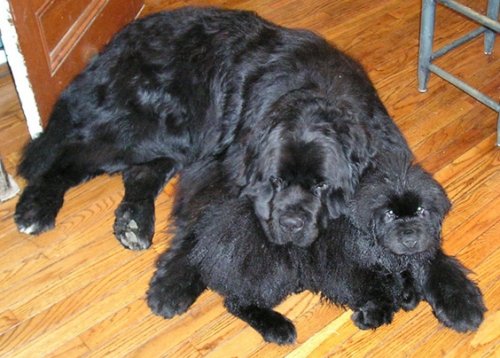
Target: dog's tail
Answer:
[[39, 154]]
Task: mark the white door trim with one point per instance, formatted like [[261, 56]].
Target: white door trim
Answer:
[[17, 65]]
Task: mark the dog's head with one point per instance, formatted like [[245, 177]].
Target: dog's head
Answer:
[[402, 206], [302, 171]]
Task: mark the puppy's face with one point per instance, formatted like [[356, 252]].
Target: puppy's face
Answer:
[[404, 212], [404, 225]]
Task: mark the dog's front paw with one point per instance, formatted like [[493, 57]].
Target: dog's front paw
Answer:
[[36, 212], [134, 224], [371, 316], [461, 309], [272, 325], [280, 330], [169, 300]]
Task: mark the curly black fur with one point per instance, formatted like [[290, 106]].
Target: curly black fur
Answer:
[[363, 261]]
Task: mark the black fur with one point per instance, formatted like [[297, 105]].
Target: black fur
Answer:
[[194, 83], [373, 266]]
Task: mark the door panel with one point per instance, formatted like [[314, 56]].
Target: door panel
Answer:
[[58, 37]]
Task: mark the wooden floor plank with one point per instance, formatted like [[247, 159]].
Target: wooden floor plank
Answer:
[[52, 332], [73, 348]]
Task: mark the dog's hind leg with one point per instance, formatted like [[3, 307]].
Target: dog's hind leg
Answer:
[[176, 284], [135, 216], [41, 153], [41, 200], [273, 326]]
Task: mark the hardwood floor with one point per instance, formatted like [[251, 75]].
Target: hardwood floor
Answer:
[[75, 291]]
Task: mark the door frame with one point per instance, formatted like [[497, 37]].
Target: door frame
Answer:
[[37, 86], [17, 64]]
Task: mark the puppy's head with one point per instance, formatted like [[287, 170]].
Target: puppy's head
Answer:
[[303, 172], [402, 206]]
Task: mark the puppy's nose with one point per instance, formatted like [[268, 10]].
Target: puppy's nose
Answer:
[[291, 223], [410, 241]]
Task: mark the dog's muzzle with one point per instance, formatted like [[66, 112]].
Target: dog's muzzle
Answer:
[[291, 223]]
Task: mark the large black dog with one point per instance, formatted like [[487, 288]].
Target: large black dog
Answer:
[[384, 256], [187, 85]]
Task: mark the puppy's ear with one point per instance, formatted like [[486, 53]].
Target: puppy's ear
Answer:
[[434, 194], [261, 195], [443, 203]]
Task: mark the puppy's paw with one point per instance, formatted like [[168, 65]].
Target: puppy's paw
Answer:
[[134, 224], [280, 330], [36, 212], [169, 300], [410, 299], [462, 310], [372, 316]]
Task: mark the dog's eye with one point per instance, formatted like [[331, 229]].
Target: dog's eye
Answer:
[[276, 182], [319, 188], [421, 211], [389, 216]]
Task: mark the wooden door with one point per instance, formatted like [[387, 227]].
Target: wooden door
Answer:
[[58, 37]]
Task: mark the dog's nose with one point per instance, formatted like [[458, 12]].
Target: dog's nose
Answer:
[[410, 241], [291, 223]]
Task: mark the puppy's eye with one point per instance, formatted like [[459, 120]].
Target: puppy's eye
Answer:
[[319, 188], [276, 182], [421, 211], [389, 216]]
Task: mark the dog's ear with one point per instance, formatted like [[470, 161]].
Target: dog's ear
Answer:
[[442, 202], [434, 194], [342, 178], [370, 193], [336, 203], [351, 131], [351, 152], [261, 194], [361, 212]]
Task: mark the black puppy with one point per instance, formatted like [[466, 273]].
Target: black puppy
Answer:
[[186, 85], [397, 213], [385, 256], [398, 210]]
